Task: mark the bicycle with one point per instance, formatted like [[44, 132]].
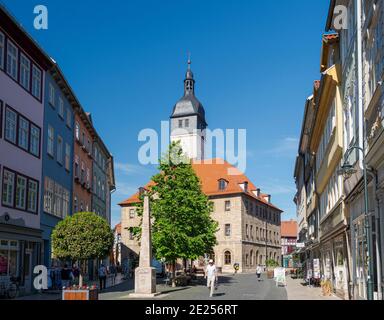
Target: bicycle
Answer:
[[10, 289]]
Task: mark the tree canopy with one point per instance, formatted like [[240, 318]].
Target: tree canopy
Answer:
[[82, 236], [181, 212]]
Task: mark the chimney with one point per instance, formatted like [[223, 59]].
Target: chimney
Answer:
[[258, 192], [268, 198]]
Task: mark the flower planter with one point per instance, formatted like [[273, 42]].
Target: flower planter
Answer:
[[270, 274], [85, 294]]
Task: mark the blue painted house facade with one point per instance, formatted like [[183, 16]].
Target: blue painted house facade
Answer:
[[57, 155]]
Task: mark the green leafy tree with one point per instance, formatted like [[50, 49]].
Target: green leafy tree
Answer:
[[182, 223], [81, 237]]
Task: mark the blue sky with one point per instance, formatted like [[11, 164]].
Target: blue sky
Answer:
[[254, 64]]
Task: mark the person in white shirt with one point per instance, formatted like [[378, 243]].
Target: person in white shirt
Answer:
[[258, 272], [211, 275]]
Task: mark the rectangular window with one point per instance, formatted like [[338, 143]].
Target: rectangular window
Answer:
[[246, 231], [34, 147], [23, 133], [187, 123], [1, 119], [180, 123], [82, 178], [33, 187], [61, 107], [76, 167], [51, 95], [227, 205], [8, 188], [2, 47], [65, 203], [131, 213], [12, 61], [69, 118], [48, 195], [77, 131], [21, 191], [67, 157], [25, 71], [227, 230], [58, 201], [59, 149], [88, 178], [51, 141], [36, 82], [10, 125]]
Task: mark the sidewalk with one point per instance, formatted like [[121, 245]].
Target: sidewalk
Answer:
[[297, 291], [57, 295]]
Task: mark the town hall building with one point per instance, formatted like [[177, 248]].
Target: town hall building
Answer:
[[249, 224]]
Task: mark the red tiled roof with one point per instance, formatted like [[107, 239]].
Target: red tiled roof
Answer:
[[209, 173], [289, 229]]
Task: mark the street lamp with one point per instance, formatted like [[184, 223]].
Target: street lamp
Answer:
[[347, 170]]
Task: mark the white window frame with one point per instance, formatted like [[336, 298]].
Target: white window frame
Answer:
[[69, 118], [61, 107], [21, 193], [8, 188], [23, 133], [77, 131], [34, 141], [48, 195], [32, 202], [10, 128], [36, 82], [51, 98], [2, 50], [59, 152], [25, 71], [12, 60], [51, 141], [67, 157]]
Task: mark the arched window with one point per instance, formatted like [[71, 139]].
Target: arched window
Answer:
[[246, 259], [227, 258], [222, 184], [257, 257], [251, 257], [261, 259]]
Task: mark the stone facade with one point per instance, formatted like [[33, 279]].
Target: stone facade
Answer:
[[246, 243]]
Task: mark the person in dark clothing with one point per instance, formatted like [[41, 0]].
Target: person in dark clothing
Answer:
[[66, 276], [102, 276]]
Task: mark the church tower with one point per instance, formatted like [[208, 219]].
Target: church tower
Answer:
[[188, 120]]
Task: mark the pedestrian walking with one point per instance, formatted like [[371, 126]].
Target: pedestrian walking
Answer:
[[102, 276], [211, 276], [66, 276], [259, 270], [113, 272], [76, 273], [236, 267]]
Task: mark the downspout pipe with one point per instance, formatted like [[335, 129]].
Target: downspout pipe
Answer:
[[373, 173]]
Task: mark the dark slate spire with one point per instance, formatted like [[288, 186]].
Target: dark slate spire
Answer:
[[188, 105], [189, 82]]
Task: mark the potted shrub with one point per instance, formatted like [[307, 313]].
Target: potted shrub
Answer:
[[81, 237], [271, 265]]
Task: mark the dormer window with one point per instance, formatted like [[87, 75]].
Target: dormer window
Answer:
[[223, 184]]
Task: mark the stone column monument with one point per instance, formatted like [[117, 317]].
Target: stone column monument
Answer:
[[145, 275]]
